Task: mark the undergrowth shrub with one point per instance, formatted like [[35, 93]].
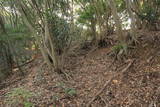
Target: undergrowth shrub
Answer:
[[150, 14], [70, 92], [60, 30], [19, 97], [119, 50]]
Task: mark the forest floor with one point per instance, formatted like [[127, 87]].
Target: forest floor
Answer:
[[95, 79]]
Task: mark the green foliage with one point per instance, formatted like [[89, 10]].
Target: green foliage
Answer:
[[61, 85], [16, 33], [21, 38], [120, 48], [149, 13], [60, 29], [70, 91], [19, 96], [90, 11], [28, 104], [157, 2], [85, 16], [55, 97], [82, 1], [120, 5]]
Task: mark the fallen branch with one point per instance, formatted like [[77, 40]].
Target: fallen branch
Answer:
[[109, 81], [26, 63], [91, 51]]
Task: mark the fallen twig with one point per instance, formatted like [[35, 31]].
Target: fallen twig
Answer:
[[109, 81], [26, 63]]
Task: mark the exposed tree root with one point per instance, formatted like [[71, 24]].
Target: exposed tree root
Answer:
[[109, 81]]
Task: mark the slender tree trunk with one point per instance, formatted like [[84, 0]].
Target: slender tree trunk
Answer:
[[93, 29]]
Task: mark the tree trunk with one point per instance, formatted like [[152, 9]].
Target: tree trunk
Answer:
[[47, 47], [133, 21], [116, 18], [93, 29]]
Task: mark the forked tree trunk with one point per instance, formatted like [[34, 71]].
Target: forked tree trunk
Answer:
[[46, 45], [50, 41]]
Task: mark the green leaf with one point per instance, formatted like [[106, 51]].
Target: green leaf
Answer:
[[28, 104], [70, 91]]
